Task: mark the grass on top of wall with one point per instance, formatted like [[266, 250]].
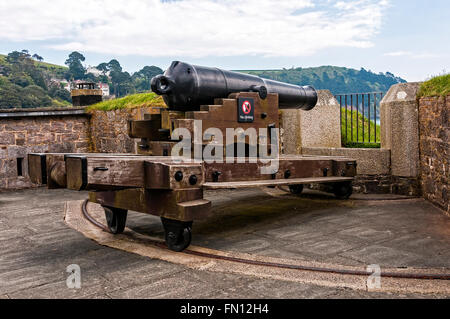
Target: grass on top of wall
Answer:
[[437, 86], [129, 102]]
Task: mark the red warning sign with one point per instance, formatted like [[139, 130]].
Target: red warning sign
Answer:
[[245, 110], [246, 107]]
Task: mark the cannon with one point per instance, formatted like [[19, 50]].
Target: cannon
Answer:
[[186, 87], [153, 182]]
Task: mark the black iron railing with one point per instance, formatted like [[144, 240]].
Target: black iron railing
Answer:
[[360, 118]]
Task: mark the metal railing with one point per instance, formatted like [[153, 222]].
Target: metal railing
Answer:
[[360, 117]]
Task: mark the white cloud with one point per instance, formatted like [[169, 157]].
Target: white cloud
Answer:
[[194, 28], [425, 55], [398, 53]]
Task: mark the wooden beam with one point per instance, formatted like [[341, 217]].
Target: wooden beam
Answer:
[[37, 168], [173, 175], [162, 172], [183, 205], [84, 173], [149, 129], [275, 182], [76, 172], [40, 165], [56, 171], [113, 172], [288, 167], [157, 148]]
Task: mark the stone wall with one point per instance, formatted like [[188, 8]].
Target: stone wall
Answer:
[[386, 184], [434, 145], [109, 129], [38, 131], [374, 170], [371, 161], [319, 127]]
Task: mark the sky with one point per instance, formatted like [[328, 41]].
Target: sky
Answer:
[[410, 38]]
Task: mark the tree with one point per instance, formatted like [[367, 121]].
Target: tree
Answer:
[[103, 67], [103, 79], [14, 57], [76, 68], [141, 79], [4, 70], [58, 92], [10, 96], [150, 71], [22, 79], [114, 65], [35, 96], [22, 68], [90, 77], [37, 57], [26, 53]]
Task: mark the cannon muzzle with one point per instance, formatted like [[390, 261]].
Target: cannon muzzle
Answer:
[[185, 87]]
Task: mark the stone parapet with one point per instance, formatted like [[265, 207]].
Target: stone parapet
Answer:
[[400, 129], [387, 184], [319, 127], [371, 161], [109, 129], [38, 131]]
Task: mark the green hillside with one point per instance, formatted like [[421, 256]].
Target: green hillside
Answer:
[[26, 82], [52, 69], [338, 80], [354, 135]]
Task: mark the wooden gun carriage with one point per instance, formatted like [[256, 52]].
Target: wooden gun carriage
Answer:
[[156, 183]]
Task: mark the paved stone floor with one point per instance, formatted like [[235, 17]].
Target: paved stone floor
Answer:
[[36, 245]]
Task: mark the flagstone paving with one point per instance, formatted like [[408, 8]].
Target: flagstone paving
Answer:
[[37, 246]]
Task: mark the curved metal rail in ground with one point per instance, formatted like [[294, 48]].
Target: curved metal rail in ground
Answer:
[[278, 265]]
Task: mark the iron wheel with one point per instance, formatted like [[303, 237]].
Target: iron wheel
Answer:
[[116, 218], [296, 189], [342, 190], [178, 234]]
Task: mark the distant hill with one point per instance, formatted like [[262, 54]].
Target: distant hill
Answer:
[[26, 82], [338, 80], [55, 70]]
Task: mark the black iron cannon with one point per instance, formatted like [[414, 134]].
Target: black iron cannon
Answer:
[[185, 87]]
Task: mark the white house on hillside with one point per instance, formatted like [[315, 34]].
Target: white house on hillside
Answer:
[[93, 70], [104, 87]]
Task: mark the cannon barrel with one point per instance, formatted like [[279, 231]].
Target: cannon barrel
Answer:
[[185, 87]]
